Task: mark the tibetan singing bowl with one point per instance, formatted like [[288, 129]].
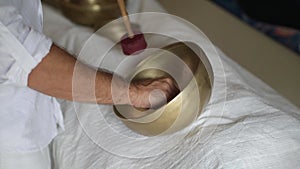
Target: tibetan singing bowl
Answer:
[[193, 81], [95, 13]]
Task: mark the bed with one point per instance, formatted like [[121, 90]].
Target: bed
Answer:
[[246, 124]]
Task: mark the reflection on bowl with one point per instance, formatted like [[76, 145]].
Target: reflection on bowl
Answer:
[[193, 81], [95, 13]]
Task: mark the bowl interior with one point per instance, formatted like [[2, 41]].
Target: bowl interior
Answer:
[[176, 61], [193, 79]]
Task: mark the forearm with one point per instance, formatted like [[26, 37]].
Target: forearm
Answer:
[[60, 75], [56, 76]]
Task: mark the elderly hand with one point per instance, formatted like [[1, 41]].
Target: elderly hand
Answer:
[[152, 93], [58, 68]]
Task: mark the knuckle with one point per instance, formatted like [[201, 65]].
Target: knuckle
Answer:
[[169, 80]]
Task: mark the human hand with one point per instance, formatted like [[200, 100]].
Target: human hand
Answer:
[[152, 93]]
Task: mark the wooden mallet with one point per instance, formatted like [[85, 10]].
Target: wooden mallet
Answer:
[[132, 41]]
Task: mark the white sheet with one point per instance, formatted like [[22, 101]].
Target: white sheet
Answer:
[[28, 160], [257, 129]]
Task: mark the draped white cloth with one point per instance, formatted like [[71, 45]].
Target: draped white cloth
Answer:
[[256, 129], [28, 119]]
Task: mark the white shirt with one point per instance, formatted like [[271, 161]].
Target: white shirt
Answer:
[[28, 119]]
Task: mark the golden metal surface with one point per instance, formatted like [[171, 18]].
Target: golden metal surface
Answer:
[[181, 110], [94, 13]]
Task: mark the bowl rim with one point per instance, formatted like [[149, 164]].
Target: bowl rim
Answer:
[[169, 47]]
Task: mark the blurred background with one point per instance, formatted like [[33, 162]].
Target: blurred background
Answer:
[[262, 42]]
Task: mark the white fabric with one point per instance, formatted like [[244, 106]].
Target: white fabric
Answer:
[[27, 160], [28, 119], [15, 31], [31, 10], [257, 129]]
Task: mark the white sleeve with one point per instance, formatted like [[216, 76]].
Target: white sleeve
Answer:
[[21, 47]]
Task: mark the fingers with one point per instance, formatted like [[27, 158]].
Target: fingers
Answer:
[[157, 98], [169, 87], [153, 93]]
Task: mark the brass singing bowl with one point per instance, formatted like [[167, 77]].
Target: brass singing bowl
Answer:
[[95, 13], [183, 109]]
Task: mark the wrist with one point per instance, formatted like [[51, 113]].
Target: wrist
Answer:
[[121, 91]]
